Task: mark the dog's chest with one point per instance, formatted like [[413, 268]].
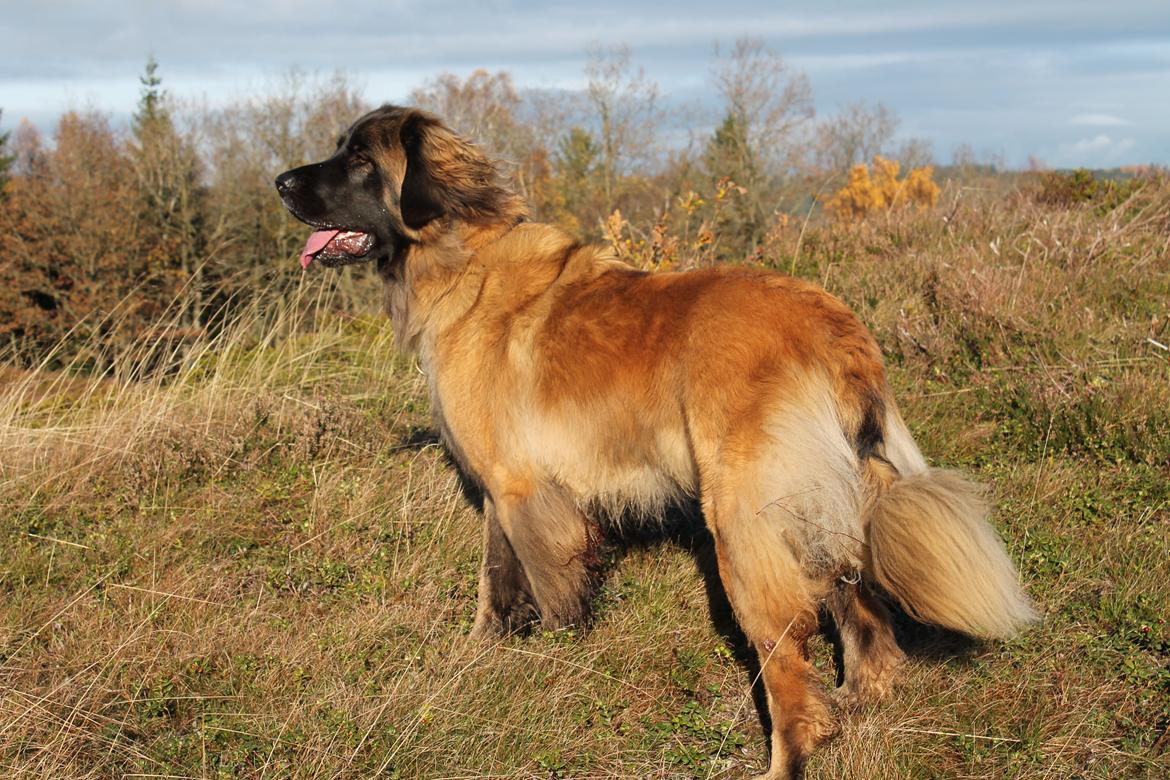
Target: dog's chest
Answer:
[[620, 462], [620, 452]]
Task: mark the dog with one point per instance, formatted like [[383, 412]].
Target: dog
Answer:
[[567, 385]]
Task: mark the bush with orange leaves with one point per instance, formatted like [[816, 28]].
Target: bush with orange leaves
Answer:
[[880, 190]]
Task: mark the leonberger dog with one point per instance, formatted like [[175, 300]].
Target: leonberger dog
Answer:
[[568, 386]]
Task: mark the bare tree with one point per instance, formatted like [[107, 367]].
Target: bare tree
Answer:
[[915, 153], [768, 102], [486, 107], [963, 157], [761, 140], [27, 149], [854, 135], [482, 107], [623, 102]]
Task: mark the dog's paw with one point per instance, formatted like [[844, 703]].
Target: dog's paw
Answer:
[[849, 699], [486, 630], [867, 690], [872, 681]]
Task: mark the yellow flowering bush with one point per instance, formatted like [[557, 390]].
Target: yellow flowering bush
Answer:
[[871, 191]]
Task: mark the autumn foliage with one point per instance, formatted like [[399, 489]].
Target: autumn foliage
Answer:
[[877, 190], [77, 254], [111, 239], [159, 231]]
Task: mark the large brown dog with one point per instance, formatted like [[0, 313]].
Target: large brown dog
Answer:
[[567, 383]]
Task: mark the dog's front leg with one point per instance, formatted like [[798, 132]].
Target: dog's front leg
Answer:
[[505, 597], [549, 541]]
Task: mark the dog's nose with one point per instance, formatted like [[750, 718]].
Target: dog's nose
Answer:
[[285, 182]]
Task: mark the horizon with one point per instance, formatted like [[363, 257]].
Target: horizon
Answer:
[[1069, 84]]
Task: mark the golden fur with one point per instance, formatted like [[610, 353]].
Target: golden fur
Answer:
[[567, 383]]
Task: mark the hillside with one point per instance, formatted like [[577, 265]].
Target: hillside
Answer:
[[258, 562]]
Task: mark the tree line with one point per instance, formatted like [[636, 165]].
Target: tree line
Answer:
[[162, 230]]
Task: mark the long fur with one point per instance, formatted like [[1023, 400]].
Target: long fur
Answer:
[[563, 381], [931, 547]]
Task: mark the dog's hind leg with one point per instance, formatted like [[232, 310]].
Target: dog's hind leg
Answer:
[[870, 653], [551, 539], [762, 578], [784, 506], [505, 596]]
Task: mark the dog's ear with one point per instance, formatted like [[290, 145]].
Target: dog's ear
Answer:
[[422, 199], [447, 176]]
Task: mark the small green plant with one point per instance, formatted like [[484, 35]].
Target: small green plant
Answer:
[[551, 763]]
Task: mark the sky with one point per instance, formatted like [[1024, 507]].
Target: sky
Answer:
[[1072, 83]]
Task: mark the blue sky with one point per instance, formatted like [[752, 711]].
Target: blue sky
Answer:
[[1072, 82]]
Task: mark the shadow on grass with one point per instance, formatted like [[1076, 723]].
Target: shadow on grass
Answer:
[[683, 528], [417, 438]]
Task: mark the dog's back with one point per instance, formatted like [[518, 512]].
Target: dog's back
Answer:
[[765, 398], [563, 380]]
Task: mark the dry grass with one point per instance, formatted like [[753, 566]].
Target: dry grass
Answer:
[[256, 564]]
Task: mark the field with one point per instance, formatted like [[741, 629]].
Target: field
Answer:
[[259, 563]]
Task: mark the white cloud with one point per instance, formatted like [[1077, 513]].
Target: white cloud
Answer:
[[1098, 150], [1099, 120], [999, 74], [1092, 145]]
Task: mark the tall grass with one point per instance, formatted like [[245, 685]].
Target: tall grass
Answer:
[[55, 425], [240, 553]]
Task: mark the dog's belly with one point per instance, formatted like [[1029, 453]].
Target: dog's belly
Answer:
[[616, 464]]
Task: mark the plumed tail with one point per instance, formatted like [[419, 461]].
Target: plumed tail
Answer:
[[931, 547]]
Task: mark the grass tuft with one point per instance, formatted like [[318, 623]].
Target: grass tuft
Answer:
[[242, 559]]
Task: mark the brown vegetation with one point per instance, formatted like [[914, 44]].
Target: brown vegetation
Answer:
[[236, 552], [104, 229]]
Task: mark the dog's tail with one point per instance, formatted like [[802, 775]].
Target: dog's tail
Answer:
[[932, 548]]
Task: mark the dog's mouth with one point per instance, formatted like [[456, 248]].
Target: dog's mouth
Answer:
[[333, 248]]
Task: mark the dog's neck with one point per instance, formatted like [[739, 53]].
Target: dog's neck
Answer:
[[441, 269]]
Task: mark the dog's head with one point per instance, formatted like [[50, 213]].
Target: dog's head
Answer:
[[396, 174]]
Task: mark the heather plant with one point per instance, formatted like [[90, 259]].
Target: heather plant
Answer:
[[253, 560]]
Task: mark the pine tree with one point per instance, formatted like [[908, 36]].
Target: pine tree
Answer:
[[5, 159], [168, 179], [578, 161], [729, 159], [150, 96], [577, 156], [729, 153]]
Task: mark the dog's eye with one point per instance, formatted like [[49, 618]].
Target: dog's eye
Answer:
[[359, 159]]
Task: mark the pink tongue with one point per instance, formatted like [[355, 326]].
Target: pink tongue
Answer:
[[315, 244]]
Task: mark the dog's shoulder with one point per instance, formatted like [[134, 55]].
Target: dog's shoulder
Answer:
[[533, 257]]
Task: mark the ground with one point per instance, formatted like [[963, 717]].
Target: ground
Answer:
[[262, 565]]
